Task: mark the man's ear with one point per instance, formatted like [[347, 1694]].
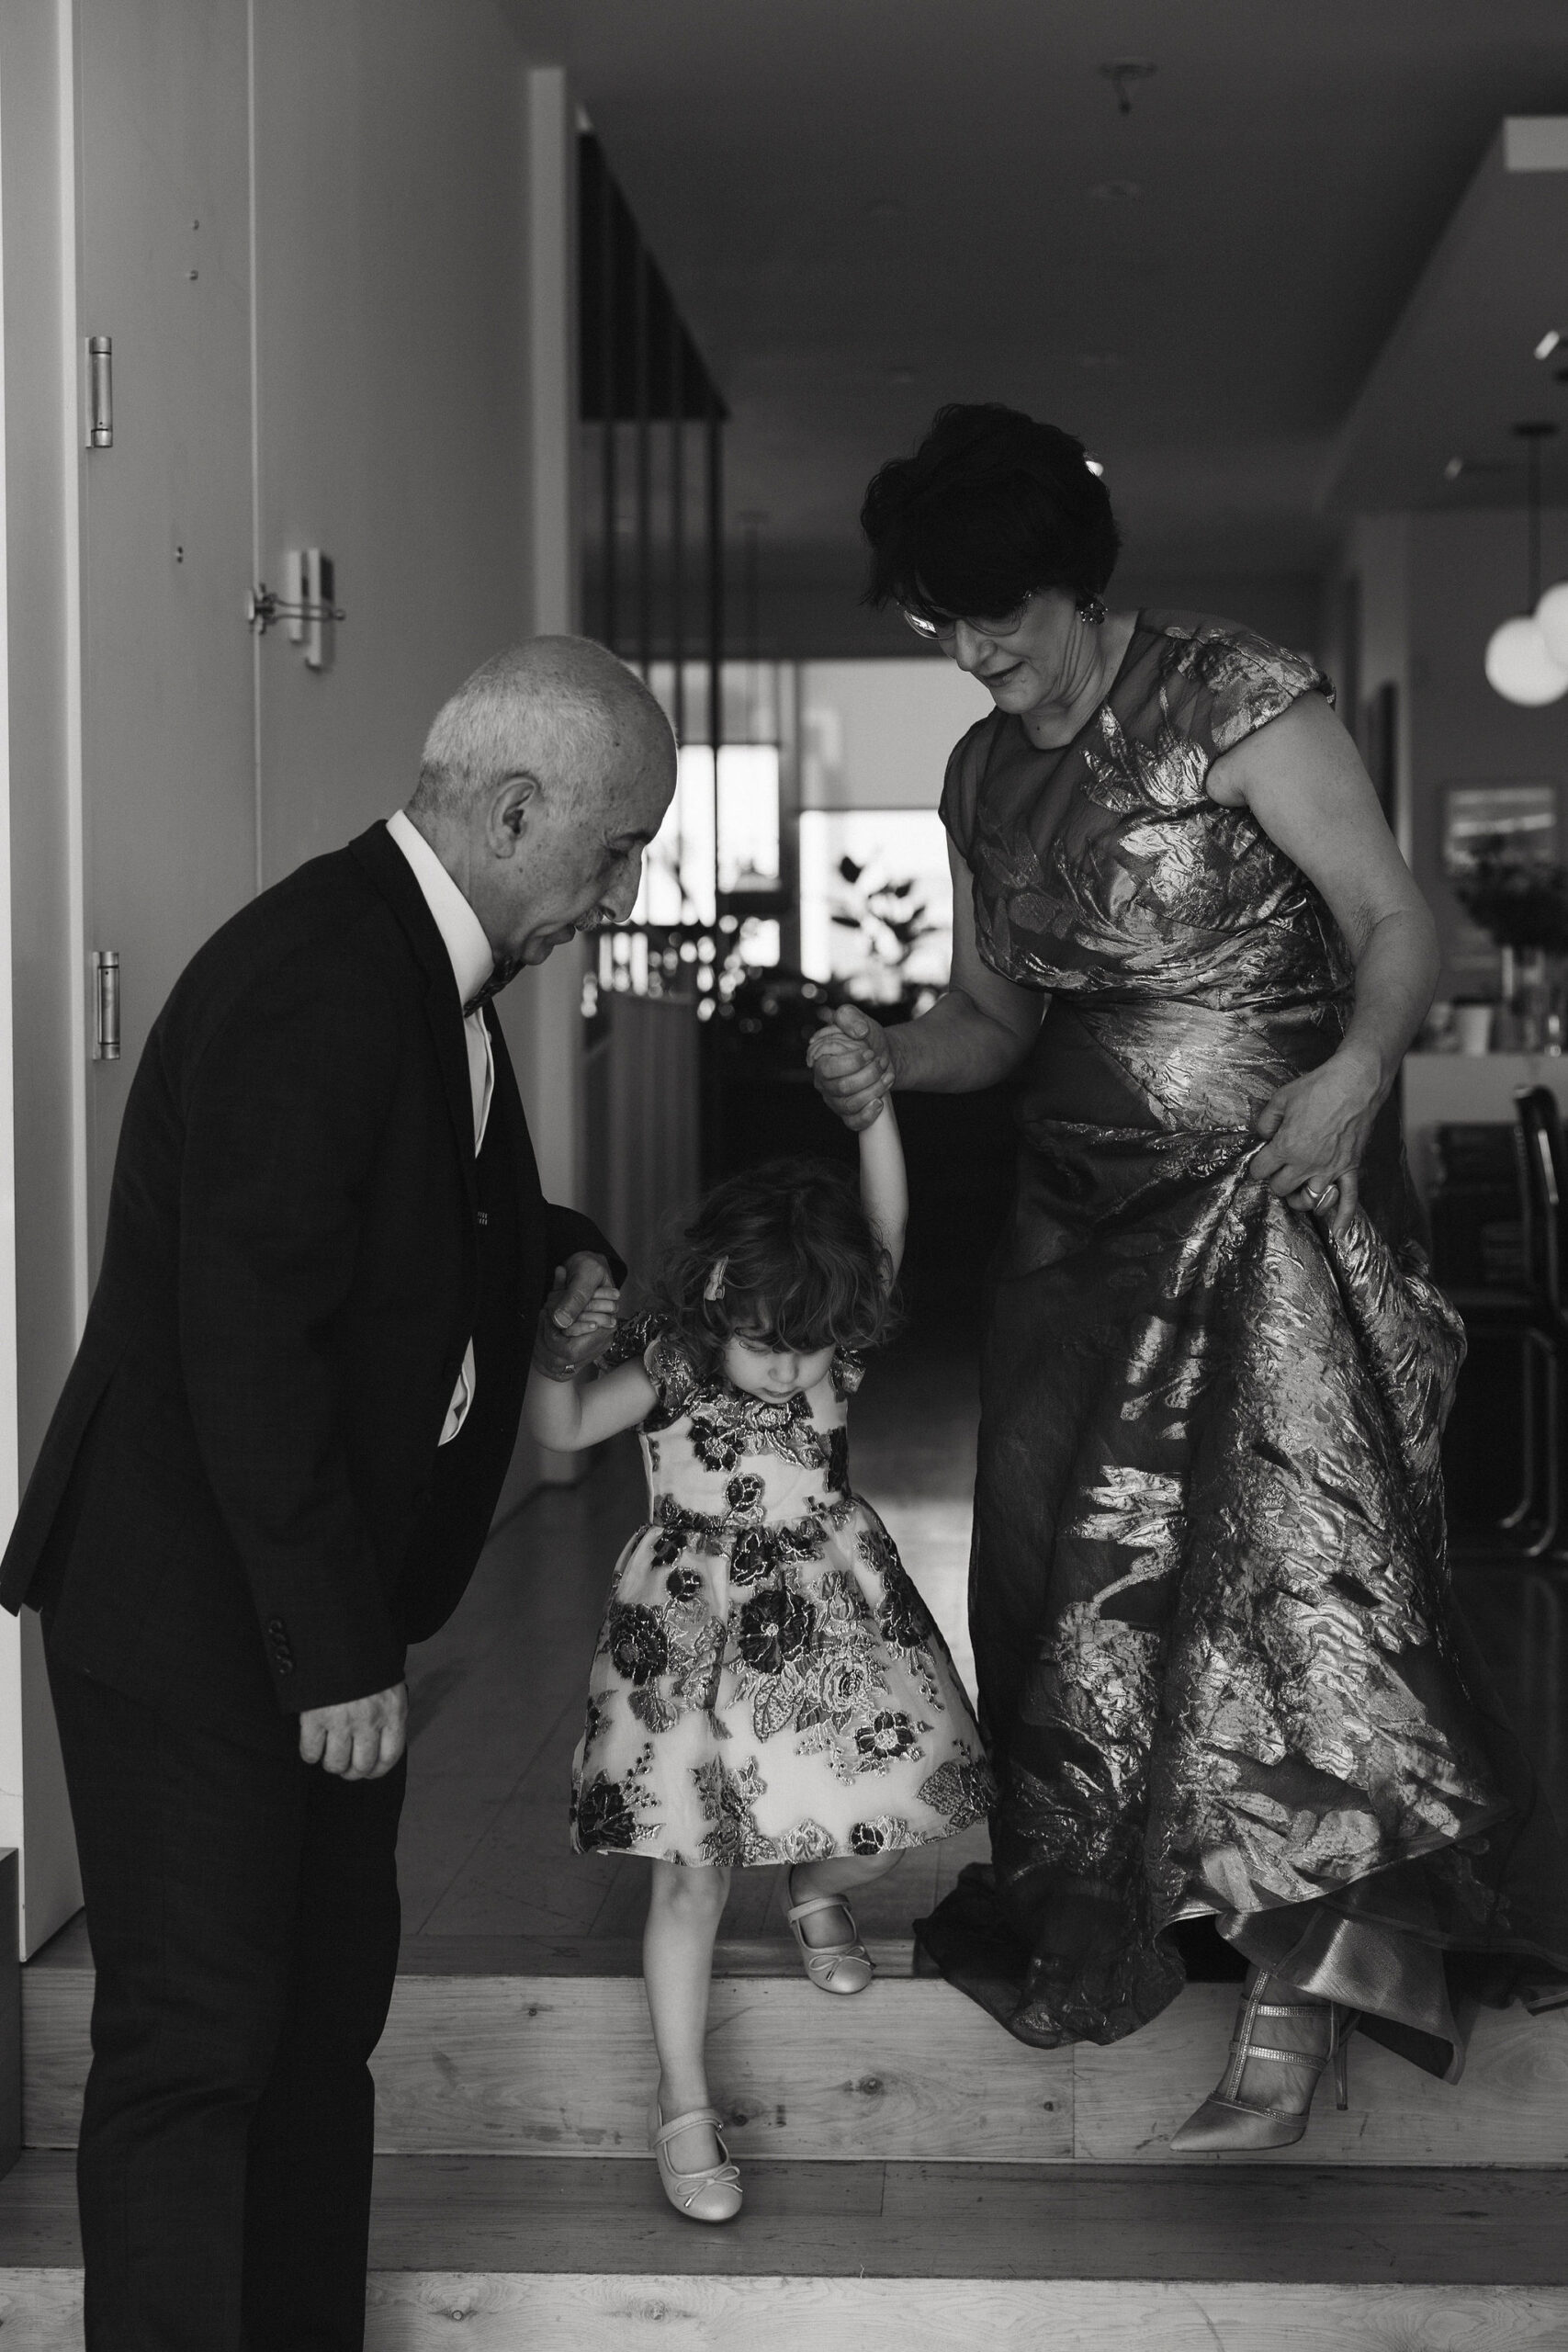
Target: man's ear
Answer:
[[513, 807]]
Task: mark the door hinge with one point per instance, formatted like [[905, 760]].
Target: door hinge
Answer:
[[105, 1005], [100, 391]]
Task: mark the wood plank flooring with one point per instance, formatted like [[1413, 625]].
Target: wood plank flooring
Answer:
[[497, 2254], [535, 2064], [492, 2311], [921, 2221]]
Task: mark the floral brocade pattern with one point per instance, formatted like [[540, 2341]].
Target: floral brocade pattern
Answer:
[[1219, 1670], [769, 1685]]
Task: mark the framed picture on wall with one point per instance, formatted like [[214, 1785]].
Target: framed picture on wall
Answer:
[[1519, 817]]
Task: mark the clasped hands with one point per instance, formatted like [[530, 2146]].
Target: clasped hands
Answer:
[[850, 1061], [362, 1739], [578, 1318]]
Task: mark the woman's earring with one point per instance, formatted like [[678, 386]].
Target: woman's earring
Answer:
[[1091, 609]]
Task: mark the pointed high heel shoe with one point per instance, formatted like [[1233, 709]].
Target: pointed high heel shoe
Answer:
[[712, 2193], [1228, 2124], [832, 1968]]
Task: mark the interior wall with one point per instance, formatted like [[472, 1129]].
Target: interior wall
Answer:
[[1284, 606], [1377, 558], [46, 1015], [393, 394], [416, 305], [810, 608], [1465, 572], [877, 734]]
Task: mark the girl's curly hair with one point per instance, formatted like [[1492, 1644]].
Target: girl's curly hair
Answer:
[[802, 1265]]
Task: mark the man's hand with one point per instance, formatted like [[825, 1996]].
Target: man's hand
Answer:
[[579, 1316], [360, 1739]]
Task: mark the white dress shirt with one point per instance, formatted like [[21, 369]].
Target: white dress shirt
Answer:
[[472, 963]]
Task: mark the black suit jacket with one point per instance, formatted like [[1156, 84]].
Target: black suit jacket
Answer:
[[241, 1506]]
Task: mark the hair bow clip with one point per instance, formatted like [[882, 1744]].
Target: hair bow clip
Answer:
[[716, 1281]]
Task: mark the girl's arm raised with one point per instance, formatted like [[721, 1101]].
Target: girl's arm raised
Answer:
[[569, 1414], [884, 1187]]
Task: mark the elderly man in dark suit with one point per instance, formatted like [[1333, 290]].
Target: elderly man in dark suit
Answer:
[[272, 1467]]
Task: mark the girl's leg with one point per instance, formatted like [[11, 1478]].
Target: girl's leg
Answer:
[[684, 1907], [843, 1875]]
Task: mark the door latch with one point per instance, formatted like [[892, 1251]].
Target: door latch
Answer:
[[100, 391], [307, 604], [105, 1005]]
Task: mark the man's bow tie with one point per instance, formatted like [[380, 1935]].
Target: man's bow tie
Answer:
[[501, 976]]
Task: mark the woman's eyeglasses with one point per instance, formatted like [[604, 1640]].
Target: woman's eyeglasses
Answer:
[[943, 632]]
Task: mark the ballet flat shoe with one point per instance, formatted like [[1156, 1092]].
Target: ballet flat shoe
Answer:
[[832, 1968], [712, 2193]]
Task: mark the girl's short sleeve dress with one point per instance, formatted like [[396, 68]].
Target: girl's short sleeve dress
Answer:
[[768, 1686]]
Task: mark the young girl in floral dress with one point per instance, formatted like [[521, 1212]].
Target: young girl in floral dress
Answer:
[[769, 1687]]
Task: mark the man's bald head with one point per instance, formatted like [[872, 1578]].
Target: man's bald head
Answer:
[[561, 706], [543, 781]]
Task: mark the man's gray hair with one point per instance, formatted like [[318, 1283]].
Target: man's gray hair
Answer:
[[563, 705]]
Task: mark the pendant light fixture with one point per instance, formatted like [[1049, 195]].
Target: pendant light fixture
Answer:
[[1520, 661]]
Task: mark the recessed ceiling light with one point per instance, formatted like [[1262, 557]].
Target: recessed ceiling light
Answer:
[[1116, 191], [1453, 469], [1547, 343]]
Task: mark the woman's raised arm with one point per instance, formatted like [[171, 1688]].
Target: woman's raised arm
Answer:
[[972, 1037]]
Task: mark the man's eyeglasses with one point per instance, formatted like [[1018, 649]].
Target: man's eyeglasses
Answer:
[[943, 632]]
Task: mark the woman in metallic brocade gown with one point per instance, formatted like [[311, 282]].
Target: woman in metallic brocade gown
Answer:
[[1220, 1670]]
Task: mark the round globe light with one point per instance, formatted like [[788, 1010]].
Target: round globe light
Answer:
[[1551, 618], [1518, 666]]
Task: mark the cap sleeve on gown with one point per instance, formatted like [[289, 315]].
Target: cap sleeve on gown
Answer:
[[1225, 683]]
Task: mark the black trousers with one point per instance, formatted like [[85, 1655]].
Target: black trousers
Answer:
[[244, 1916]]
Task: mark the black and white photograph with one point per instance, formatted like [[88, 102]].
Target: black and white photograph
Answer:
[[722, 720]]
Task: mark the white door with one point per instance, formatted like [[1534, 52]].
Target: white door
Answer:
[[168, 696]]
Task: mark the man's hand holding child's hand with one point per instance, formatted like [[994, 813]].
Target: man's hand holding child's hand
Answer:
[[578, 1318]]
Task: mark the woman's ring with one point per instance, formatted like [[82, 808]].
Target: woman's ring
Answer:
[[1318, 1198]]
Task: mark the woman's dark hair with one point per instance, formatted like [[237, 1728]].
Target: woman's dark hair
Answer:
[[991, 506], [803, 1268]]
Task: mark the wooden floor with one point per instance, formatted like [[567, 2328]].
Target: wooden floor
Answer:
[[498, 2255], [497, 1697], [527, 2064], [920, 2221]]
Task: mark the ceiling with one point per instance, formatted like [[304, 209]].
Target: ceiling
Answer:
[[868, 206], [1434, 425]]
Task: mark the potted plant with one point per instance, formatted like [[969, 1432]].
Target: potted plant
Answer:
[[890, 922]]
